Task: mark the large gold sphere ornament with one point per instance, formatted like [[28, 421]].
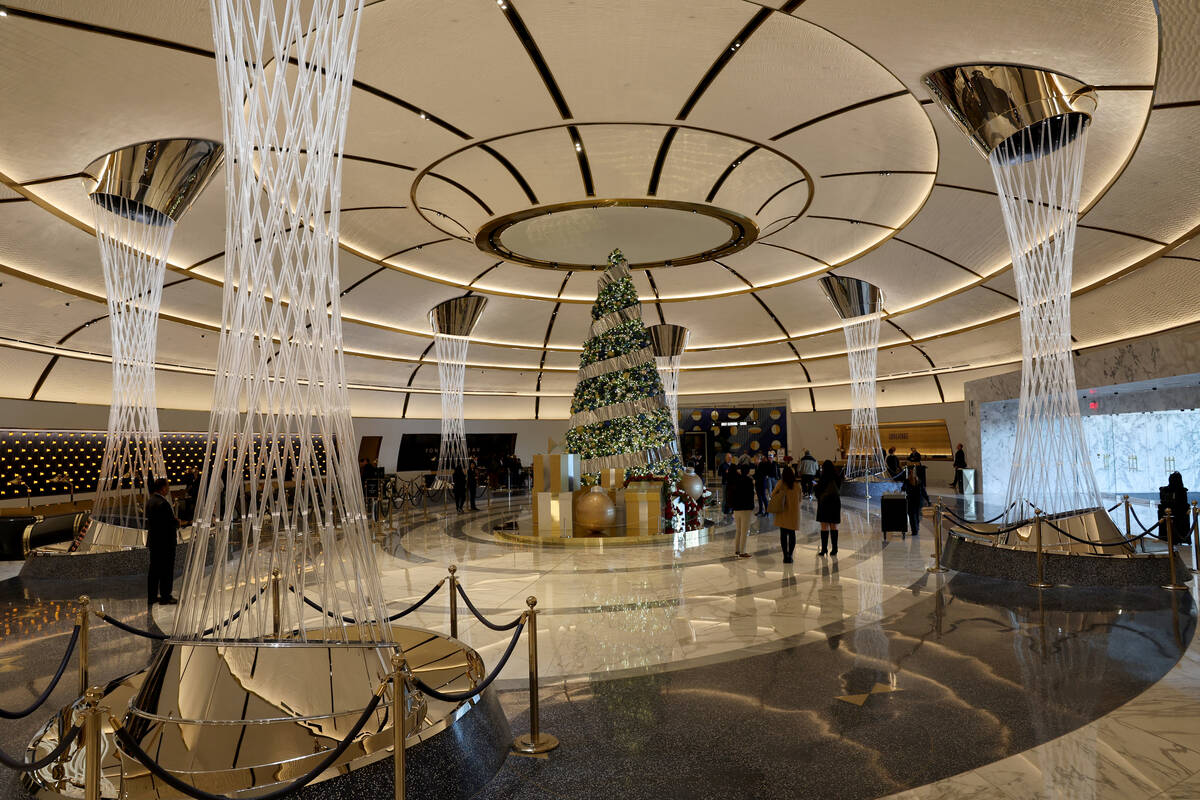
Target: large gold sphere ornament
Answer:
[[691, 484], [696, 415], [595, 510]]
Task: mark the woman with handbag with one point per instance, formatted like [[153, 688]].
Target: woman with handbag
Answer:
[[785, 505], [829, 506]]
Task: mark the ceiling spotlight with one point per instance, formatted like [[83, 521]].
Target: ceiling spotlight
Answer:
[[578, 147], [3, 12]]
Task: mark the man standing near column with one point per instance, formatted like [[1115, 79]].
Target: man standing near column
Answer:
[[162, 529], [960, 463]]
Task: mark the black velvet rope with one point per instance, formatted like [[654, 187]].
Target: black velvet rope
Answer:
[[32, 766], [1112, 543], [950, 513], [130, 746], [488, 623], [460, 697], [983, 522], [45, 695], [1145, 530], [978, 532], [162, 636], [129, 628], [349, 620]]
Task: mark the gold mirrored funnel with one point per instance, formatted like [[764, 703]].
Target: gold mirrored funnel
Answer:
[[234, 717]]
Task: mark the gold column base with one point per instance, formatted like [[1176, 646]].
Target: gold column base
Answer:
[[525, 744]]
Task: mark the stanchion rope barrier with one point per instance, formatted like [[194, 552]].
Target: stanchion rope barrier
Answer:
[[351, 621], [1112, 543], [985, 522], [45, 695], [997, 532], [132, 748], [461, 697], [33, 766], [125, 626], [1145, 530], [487, 623]]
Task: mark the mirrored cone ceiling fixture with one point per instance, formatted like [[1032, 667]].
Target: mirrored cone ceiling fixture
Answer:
[[860, 306], [669, 341], [452, 322], [138, 194], [280, 634], [1032, 127]]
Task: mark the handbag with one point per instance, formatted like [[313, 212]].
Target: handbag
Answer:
[[778, 503]]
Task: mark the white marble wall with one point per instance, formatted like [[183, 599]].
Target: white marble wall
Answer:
[[1171, 353], [1131, 452]]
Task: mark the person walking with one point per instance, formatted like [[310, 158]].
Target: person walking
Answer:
[[960, 463], [473, 482], [787, 519], [741, 500], [459, 482], [162, 530], [915, 499], [829, 506], [808, 472], [725, 471]]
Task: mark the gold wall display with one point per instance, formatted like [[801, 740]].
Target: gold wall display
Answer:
[[930, 438]]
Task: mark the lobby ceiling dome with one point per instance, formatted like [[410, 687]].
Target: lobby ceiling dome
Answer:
[[736, 152]]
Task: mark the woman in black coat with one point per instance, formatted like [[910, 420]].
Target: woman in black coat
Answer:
[[459, 481], [1174, 496], [829, 506], [916, 499]]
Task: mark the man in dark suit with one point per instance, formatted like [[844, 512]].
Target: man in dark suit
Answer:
[[162, 529], [473, 482]]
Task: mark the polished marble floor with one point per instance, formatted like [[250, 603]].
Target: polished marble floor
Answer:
[[681, 671]]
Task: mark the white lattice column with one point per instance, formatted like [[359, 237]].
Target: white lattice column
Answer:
[[669, 342], [280, 493], [138, 194], [860, 306], [1032, 126], [452, 322]]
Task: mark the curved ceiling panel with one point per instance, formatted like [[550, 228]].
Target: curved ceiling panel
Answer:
[[803, 134]]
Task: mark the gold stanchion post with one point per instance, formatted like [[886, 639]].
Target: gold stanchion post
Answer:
[[1195, 536], [399, 718], [1128, 522], [1040, 583], [1174, 585], [81, 619], [937, 540], [535, 741], [453, 601], [92, 715]]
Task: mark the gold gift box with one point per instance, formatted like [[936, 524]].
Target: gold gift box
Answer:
[[643, 508], [556, 473]]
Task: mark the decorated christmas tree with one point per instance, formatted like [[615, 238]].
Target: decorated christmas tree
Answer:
[[619, 416]]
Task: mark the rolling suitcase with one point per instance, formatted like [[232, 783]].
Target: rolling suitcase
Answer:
[[893, 513]]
